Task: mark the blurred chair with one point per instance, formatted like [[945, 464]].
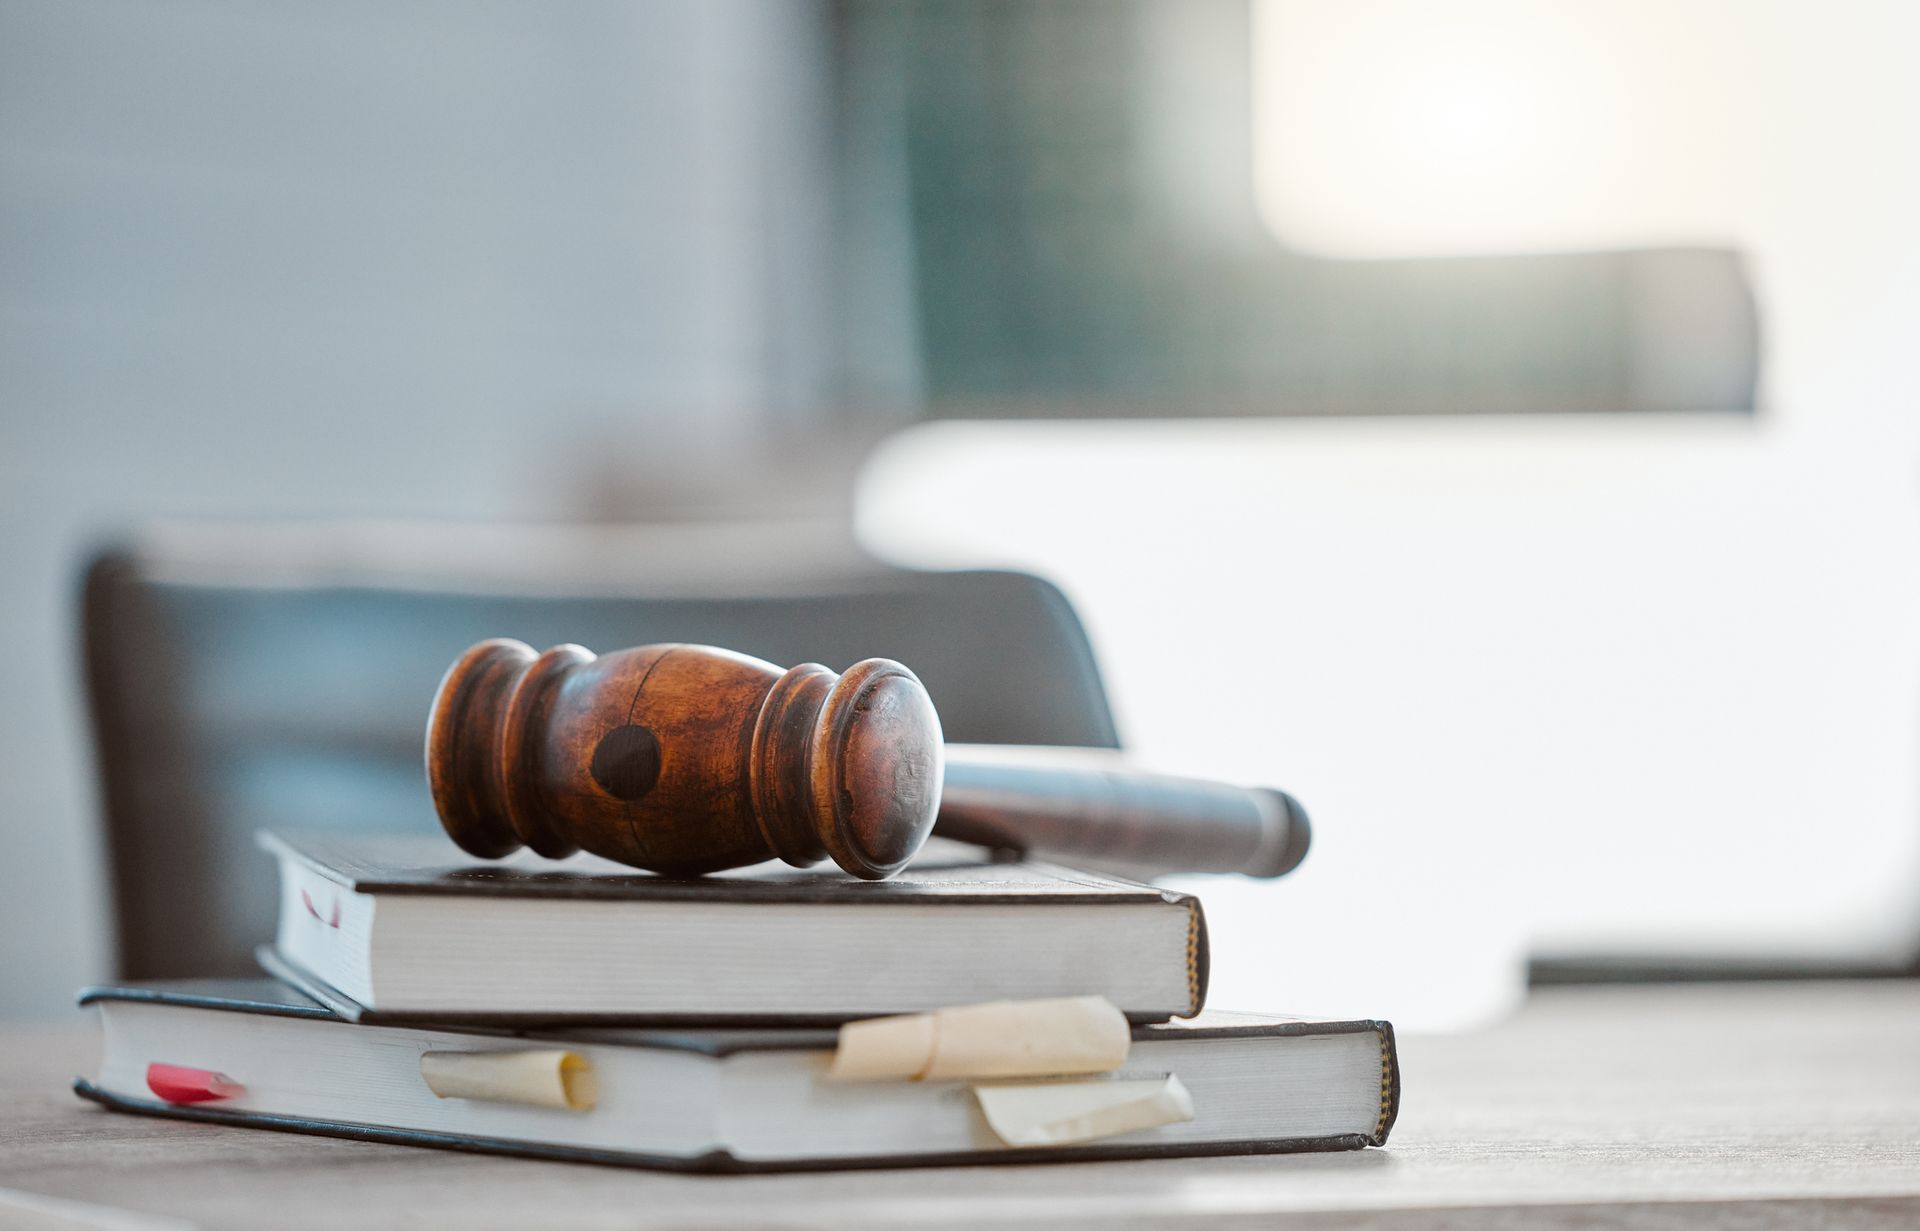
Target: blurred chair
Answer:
[[242, 678]]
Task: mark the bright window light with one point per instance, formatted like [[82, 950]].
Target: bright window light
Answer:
[[1394, 127]]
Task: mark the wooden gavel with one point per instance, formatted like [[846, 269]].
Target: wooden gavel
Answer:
[[686, 759]]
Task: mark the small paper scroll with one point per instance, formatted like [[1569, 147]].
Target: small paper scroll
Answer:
[[1055, 1113], [1006, 1038], [561, 1079]]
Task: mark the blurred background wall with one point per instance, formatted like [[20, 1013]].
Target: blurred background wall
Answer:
[[671, 261], [1623, 694], [460, 261]]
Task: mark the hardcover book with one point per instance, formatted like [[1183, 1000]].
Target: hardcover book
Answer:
[[389, 929], [257, 1053]]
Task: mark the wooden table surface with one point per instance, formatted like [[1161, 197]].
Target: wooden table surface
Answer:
[[1729, 1105]]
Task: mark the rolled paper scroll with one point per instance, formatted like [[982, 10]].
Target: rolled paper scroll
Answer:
[[1055, 1113], [1004, 1038], [560, 1079]]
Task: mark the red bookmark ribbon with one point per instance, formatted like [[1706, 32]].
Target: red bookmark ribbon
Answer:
[[313, 910], [177, 1083]]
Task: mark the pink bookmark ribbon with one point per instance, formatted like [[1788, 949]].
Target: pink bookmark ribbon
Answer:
[[176, 1083]]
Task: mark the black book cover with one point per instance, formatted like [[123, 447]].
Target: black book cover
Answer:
[[273, 999], [945, 873]]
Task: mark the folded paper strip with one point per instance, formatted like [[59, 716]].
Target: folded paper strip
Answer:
[[1004, 1038], [1055, 1113]]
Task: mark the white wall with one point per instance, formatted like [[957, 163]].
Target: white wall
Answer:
[[1621, 685]]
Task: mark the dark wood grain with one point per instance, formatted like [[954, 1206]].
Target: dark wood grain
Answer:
[[683, 759], [688, 759]]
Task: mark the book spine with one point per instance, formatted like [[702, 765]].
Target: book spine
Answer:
[[1198, 956]]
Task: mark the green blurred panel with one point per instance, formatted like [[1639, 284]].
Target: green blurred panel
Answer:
[[1053, 269]]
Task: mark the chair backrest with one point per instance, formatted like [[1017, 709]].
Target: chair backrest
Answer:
[[222, 706]]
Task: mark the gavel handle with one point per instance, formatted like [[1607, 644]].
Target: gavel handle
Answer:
[[1087, 805]]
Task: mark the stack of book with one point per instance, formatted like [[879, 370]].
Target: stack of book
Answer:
[[582, 1010]]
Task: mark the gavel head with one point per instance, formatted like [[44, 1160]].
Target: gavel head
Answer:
[[683, 759]]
